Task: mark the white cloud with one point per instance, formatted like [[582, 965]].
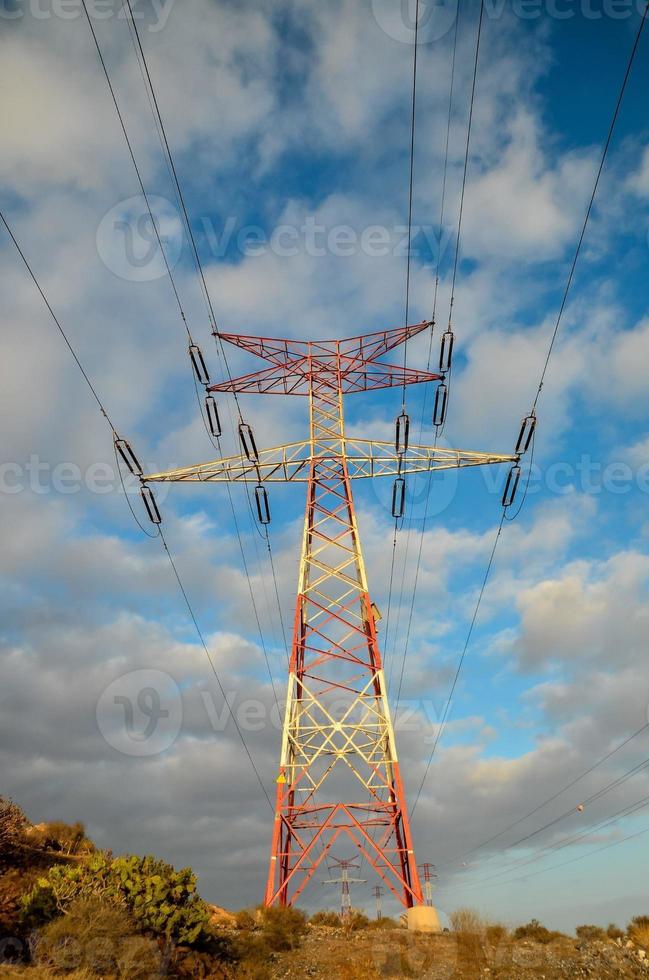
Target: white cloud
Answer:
[[638, 182], [524, 206]]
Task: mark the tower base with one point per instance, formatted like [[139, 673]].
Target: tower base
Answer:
[[423, 918]]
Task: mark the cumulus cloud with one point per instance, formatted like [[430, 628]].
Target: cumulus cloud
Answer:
[[85, 601]]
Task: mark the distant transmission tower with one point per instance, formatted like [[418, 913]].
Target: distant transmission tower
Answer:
[[339, 772], [345, 881], [378, 892], [429, 873]]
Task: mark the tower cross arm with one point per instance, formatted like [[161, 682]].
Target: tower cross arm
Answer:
[[281, 464], [373, 457], [292, 463]]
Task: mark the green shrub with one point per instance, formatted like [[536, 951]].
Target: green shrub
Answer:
[[536, 933], [276, 930], [159, 898], [614, 932], [98, 937], [282, 928], [62, 885], [325, 918], [589, 933]]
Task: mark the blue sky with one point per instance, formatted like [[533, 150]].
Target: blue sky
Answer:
[[287, 119]]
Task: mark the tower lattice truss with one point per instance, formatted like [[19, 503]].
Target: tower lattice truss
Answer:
[[339, 773]]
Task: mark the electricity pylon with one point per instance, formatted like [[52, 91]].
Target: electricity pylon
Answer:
[[378, 893], [339, 772], [430, 875], [345, 881]]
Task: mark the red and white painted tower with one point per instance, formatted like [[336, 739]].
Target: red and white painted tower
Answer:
[[339, 773]]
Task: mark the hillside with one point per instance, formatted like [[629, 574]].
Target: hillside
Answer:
[[68, 909]]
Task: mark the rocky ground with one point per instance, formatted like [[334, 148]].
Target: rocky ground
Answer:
[[388, 954], [369, 954]]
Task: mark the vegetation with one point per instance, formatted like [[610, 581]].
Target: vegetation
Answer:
[[638, 930], [536, 932], [85, 914], [496, 933], [383, 923], [13, 824], [68, 838], [467, 922], [98, 937], [355, 920], [158, 898], [325, 918], [590, 933]]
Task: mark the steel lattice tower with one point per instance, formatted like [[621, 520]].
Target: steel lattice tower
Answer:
[[339, 772]]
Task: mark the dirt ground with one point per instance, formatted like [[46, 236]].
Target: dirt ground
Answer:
[[369, 954]]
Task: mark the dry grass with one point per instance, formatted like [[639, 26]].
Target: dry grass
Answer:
[[467, 922], [640, 934], [496, 933], [590, 933], [42, 973]]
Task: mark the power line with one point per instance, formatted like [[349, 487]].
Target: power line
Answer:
[[592, 199], [423, 407], [413, 116], [398, 522], [551, 799], [197, 260], [135, 166], [215, 441], [579, 857], [211, 662], [460, 663], [621, 814], [607, 144], [58, 323], [171, 166], [160, 534], [438, 429], [466, 161], [591, 799]]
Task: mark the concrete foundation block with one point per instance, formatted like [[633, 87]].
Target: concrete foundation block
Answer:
[[423, 918]]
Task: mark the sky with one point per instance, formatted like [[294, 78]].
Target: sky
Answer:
[[289, 125]]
